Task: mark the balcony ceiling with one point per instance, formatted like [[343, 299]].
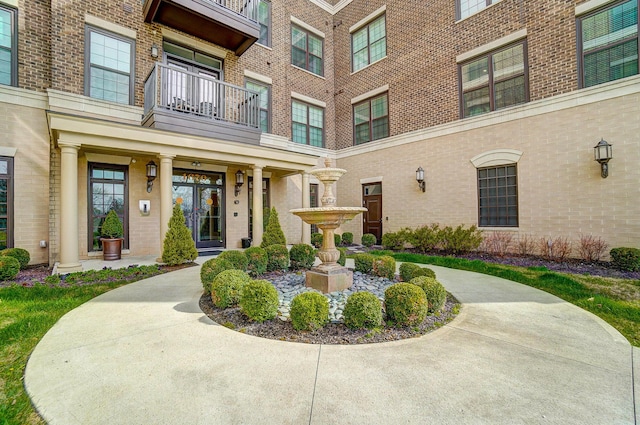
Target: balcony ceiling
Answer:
[[206, 20]]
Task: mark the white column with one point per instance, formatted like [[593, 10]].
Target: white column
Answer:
[[306, 203], [69, 256], [166, 203], [257, 206]]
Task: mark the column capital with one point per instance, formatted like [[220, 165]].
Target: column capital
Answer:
[[258, 166], [68, 145], [162, 156]]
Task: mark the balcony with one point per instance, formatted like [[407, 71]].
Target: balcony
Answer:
[[190, 103], [232, 24]]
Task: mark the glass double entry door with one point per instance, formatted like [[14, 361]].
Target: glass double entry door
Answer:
[[201, 197]]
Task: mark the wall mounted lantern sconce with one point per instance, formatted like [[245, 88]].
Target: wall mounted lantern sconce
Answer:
[[239, 181], [154, 51], [602, 153], [152, 173], [420, 178]]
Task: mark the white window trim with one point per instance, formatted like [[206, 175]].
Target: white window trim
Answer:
[[370, 93], [110, 26], [371, 17], [496, 158], [306, 26], [175, 37], [371, 180], [479, 11], [495, 44], [258, 77], [586, 7], [12, 3], [307, 99]]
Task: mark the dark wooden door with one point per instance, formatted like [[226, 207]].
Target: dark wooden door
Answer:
[[372, 218]]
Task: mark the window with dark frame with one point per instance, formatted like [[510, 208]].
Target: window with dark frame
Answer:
[[307, 124], [8, 46], [498, 196], [469, 7], [265, 102], [264, 19], [6, 202], [369, 44], [109, 66], [608, 43], [107, 191], [371, 119], [494, 81], [306, 50]]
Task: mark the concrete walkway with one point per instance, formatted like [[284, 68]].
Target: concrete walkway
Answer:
[[146, 354]]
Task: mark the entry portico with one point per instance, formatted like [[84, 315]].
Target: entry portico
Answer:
[[85, 145]]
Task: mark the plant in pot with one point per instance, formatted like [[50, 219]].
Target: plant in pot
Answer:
[[111, 233]]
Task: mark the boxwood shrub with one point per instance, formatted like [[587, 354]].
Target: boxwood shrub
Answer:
[[302, 256], [256, 260], [316, 239], [226, 287], [235, 257], [363, 262], [363, 310], [309, 311], [385, 266], [277, 258], [406, 304], [347, 238], [259, 300], [210, 269], [435, 292], [410, 270], [369, 239], [22, 255], [626, 258], [9, 267], [343, 256]]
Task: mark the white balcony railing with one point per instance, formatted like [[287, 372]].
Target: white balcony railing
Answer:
[[170, 88], [248, 9]]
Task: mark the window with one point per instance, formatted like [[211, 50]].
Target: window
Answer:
[[109, 66], [609, 44], [265, 99], [498, 196], [494, 81], [371, 119], [108, 184], [313, 203], [8, 47], [264, 19], [369, 44], [6, 202], [306, 50], [307, 124], [469, 7]]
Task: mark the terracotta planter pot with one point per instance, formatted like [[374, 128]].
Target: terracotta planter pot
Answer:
[[111, 249]]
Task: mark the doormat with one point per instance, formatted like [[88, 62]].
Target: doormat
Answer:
[[209, 253]]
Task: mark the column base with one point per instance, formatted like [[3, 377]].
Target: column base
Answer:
[[67, 268], [329, 279]]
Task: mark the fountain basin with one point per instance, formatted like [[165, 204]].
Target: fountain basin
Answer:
[[327, 215]]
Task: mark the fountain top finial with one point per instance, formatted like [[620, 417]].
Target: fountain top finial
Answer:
[[327, 162]]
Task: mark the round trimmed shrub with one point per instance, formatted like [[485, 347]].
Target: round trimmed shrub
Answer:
[[363, 310], [316, 239], [309, 311], [302, 256], [277, 258], [256, 260], [406, 304], [22, 255], [226, 287], [337, 239], [385, 266], [435, 292], [347, 238], [235, 257], [410, 270], [9, 267], [210, 269], [625, 258], [259, 300], [369, 239], [363, 262], [343, 256]]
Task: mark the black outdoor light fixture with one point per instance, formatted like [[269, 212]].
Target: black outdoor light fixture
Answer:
[[603, 152], [420, 178], [152, 173], [239, 181]]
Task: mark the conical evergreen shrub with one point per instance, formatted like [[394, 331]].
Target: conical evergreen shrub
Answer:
[[179, 246], [274, 234]]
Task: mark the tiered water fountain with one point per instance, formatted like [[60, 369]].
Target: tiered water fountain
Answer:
[[328, 276]]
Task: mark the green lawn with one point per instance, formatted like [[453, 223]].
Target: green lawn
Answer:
[[617, 301], [27, 313]]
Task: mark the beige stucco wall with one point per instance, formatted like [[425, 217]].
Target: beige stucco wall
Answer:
[[560, 189], [24, 127]]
